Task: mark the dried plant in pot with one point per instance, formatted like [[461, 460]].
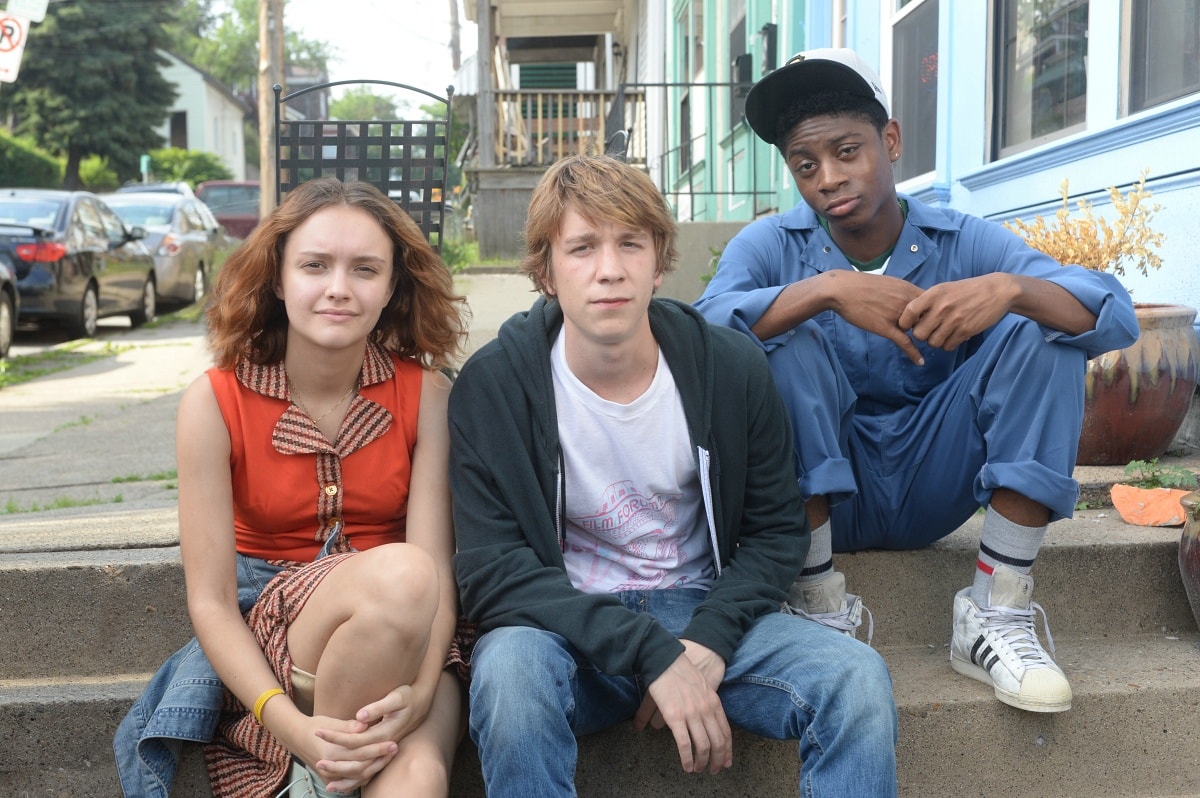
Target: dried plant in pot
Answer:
[[1137, 397]]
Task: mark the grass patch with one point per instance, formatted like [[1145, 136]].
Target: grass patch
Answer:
[[16, 370], [82, 421], [158, 476], [192, 313], [62, 502]]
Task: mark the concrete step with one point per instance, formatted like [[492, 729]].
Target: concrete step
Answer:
[[69, 620], [1133, 731], [1093, 573], [90, 613]]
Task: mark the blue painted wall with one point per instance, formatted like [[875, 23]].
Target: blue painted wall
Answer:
[[1112, 150]]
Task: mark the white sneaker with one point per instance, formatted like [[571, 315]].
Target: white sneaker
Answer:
[[827, 602], [998, 645]]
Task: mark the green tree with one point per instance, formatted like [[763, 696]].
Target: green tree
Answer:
[[91, 82], [226, 46], [362, 103], [193, 19], [460, 128]]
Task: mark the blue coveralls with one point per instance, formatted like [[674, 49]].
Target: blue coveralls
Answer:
[[907, 453]]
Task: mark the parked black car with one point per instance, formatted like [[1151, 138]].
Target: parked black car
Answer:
[[183, 236], [75, 260], [9, 302]]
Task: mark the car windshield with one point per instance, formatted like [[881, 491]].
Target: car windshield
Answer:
[[231, 199], [145, 215], [33, 212]]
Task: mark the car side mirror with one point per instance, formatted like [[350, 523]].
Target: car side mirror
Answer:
[[136, 233]]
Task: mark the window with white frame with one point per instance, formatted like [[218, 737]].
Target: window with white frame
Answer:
[[740, 66], [1041, 71], [915, 84], [1163, 46], [689, 67]]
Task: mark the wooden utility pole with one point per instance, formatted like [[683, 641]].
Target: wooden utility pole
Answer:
[[270, 72], [455, 48], [487, 97]]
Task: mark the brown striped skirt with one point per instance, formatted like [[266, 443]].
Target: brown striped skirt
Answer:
[[244, 759]]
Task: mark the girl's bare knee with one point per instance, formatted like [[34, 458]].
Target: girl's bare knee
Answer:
[[417, 773], [396, 587], [400, 574]]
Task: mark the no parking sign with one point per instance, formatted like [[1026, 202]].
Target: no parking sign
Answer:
[[13, 31]]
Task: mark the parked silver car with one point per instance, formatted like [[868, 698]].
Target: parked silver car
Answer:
[[183, 236]]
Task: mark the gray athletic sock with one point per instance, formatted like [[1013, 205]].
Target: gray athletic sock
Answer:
[[819, 563], [1003, 543]]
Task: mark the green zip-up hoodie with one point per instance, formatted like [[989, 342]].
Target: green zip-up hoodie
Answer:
[[506, 478]]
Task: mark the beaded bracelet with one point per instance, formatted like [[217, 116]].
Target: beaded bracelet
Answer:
[[266, 696]]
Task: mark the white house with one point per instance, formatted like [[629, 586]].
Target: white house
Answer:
[[207, 116]]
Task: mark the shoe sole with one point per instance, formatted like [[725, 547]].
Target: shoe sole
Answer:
[[977, 673]]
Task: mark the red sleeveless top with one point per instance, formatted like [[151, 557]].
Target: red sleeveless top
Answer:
[[291, 485]]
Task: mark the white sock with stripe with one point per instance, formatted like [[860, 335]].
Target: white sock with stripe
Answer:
[[819, 562], [1003, 543]]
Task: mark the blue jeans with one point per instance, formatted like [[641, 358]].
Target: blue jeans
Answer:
[[900, 478], [182, 701], [531, 694]]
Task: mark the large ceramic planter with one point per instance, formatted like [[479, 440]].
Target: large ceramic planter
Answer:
[[1189, 552], [1138, 397]]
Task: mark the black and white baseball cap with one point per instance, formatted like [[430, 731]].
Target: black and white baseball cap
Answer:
[[810, 72]]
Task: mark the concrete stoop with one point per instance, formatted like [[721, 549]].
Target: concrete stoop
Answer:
[[1117, 610]]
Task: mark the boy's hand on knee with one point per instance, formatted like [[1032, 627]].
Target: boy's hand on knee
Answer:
[[682, 700]]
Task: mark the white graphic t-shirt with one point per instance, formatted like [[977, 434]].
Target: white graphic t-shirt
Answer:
[[634, 517]]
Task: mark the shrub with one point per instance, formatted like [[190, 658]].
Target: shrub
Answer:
[[23, 165], [1091, 241], [96, 176], [191, 166], [458, 253]]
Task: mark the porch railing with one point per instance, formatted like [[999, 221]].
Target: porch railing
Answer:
[[691, 138], [539, 127]]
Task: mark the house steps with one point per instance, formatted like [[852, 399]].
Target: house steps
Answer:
[[81, 632]]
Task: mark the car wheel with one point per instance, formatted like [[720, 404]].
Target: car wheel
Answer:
[[199, 284], [149, 305], [8, 323], [84, 326]]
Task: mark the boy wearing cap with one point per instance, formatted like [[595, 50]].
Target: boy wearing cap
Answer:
[[931, 363], [628, 521]]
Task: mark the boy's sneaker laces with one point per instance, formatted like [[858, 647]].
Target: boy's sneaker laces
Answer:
[[998, 645], [826, 602]]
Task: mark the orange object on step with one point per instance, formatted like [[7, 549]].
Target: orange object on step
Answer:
[[1148, 506]]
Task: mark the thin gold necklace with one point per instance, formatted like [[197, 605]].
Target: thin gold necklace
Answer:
[[300, 401]]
